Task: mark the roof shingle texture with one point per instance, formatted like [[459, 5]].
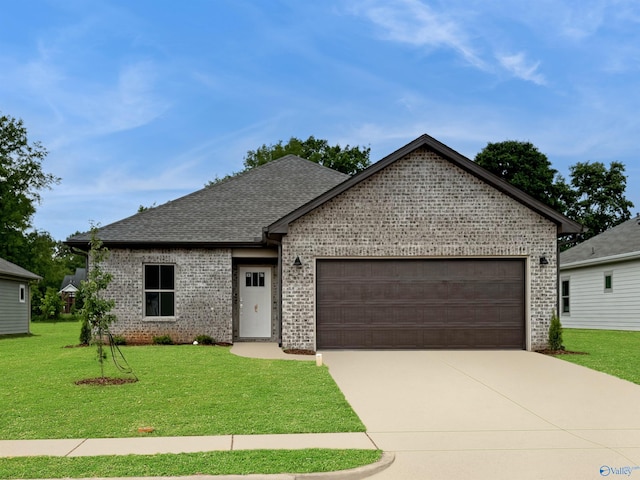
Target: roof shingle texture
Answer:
[[621, 239], [233, 211], [11, 269], [76, 279]]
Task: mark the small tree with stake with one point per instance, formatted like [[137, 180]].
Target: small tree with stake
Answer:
[[95, 311]]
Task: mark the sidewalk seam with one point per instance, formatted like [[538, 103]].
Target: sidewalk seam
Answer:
[[372, 441], [76, 447]]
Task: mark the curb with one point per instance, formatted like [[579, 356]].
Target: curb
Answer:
[[365, 471], [358, 473]]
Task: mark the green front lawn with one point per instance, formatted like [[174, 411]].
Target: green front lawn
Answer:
[[610, 351], [182, 390], [209, 463]]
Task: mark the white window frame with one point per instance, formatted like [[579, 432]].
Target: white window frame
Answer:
[[22, 293], [567, 296]]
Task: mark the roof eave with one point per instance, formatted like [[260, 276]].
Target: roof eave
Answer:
[[622, 257], [138, 245], [20, 277]]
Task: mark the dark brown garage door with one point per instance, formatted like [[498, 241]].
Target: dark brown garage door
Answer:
[[453, 303]]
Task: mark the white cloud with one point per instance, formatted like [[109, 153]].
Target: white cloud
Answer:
[[415, 23], [518, 65]]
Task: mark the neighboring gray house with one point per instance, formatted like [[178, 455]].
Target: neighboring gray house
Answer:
[[424, 249], [15, 298], [600, 280], [70, 287]]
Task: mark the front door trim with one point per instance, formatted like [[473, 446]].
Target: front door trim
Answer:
[[255, 319]]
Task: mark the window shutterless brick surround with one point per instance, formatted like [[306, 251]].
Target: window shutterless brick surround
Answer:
[[419, 206], [203, 294]]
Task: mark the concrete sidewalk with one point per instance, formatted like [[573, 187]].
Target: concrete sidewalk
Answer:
[[153, 445]]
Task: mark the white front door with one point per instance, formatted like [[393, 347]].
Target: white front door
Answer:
[[255, 302]]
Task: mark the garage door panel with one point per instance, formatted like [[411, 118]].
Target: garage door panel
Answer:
[[452, 303]]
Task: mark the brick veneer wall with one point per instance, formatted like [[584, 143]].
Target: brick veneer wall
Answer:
[[419, 206], [203, 294]]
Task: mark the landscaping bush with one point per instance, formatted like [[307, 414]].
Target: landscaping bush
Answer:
[[85, 332], [162, 340], [555, 333], [118, 340], [205, 340]]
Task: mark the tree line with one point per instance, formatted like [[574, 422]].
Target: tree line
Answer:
[[594, 196], [21, 180]]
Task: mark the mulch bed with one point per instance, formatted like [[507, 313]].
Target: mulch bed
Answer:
[[106, 381], [296, 351], [560, 352]]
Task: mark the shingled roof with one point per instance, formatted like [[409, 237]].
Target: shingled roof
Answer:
[[617, 243], [75, 280], [231, 212], [8, 269]]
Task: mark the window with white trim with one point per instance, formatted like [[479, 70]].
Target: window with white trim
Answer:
[[159, 290], [22, 293], [565, 307], [608, 282]]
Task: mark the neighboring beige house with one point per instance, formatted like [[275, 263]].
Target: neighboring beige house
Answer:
[[424, 249], [15, 298], [600, 280]]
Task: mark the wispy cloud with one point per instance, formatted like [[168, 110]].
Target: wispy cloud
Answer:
[[518, 65], [415, 23]]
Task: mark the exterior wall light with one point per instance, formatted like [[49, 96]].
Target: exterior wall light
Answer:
[[543, 260], [297, 262]]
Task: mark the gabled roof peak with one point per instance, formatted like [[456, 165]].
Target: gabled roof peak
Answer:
[[565, 225]]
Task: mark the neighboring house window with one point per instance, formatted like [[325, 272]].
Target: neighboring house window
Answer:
[[565, 296], [159, 290], [22, 295], [608, 282]]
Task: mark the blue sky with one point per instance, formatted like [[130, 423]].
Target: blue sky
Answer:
[[142, 101]]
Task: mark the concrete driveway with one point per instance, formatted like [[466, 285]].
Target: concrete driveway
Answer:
[[492, 415]]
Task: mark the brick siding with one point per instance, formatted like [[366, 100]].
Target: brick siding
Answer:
[[203, 294], [420, 206]]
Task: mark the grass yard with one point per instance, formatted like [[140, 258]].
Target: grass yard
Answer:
[[210, 463], [182, 390], [610, 351]]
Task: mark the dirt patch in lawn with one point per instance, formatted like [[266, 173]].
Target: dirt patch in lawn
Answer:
[[106, 381]]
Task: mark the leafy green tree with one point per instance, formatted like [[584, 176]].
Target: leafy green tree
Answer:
[[525, 167], [349, 160], [599, 201], [50, 259], [51, 305], [95, 309], [21, 180]]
